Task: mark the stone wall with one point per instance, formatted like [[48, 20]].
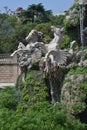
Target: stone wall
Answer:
[[9, 69]]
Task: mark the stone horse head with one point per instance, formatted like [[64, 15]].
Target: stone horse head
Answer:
[[34, 36]]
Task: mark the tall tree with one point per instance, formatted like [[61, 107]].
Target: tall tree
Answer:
[[40, 9], [32, 9], [37, 12]]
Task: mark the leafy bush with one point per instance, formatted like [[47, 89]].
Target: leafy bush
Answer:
[[58, 20], [66, 42], [81, 106], [47, 117], [83, 87], [9, 98], [46, 29], [85, 56], [78, 70], [34, 111]]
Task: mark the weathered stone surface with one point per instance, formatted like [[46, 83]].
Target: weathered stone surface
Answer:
[[85, 63], [34, 36], [72, 97], [9, 70]]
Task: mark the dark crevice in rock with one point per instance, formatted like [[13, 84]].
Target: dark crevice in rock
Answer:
[[83, 116]]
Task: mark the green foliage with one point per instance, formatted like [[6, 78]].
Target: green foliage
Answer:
[[80, 107], [34, 111], [71, 30], [12, 20], [6, 28], [85, 56], [45, 28], [75, 9], [58, 20], [36, 13], [6, 118], [66, 42], [83, 87], [77, 70], [9, 98], [67, 24], [13, 30], [8, 43], [80, 97], [36, 89], [75, 6]]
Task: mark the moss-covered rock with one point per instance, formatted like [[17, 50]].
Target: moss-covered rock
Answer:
[[74, 90]]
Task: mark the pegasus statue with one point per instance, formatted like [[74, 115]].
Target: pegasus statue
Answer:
[[55, 61]]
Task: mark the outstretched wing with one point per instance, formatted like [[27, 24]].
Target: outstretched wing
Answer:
[[60, 56]]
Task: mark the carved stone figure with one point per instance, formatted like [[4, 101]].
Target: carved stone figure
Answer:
[[31, 53], [58, 37], [55, 61], [34, 36]]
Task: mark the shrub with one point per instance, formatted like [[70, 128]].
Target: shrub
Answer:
[[78, 70]]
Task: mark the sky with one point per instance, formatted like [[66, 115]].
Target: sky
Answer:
[[57, 6]]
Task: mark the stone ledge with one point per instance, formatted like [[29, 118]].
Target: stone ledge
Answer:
[[4, 85]]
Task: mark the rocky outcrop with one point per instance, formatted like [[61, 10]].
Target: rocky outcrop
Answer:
[[72, 16], [73, 94]]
